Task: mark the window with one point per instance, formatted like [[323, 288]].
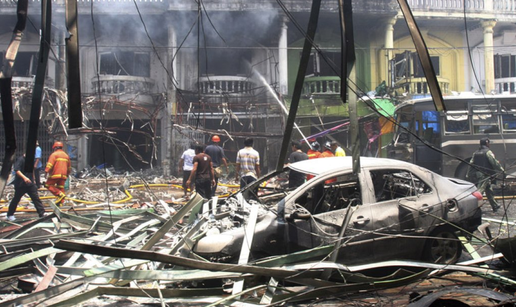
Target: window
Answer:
[[330, 195], [327, 64], [509, 120], [394, 184], [456, 122], [431, 127], [405, 119], [126, 63], [485, 119], [418, 67], [215, 62], [505, 65], [407, 64], [25, 64]]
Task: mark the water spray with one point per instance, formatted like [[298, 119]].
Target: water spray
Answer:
[[273, 93]]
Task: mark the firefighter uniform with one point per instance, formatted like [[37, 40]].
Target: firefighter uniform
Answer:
[[58, 168]]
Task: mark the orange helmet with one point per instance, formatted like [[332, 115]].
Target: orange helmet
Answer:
[[215, 139], [57, 145]]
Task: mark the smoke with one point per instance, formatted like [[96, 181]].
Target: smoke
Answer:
[[235, 28], [221, 23]]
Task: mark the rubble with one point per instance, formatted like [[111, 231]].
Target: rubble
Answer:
[[131, 243]]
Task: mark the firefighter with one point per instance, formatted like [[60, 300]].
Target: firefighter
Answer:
[[57, 171]]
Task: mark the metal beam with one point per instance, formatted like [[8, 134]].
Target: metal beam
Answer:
[[424, 56], [39, 83], [298, 87], [73, 72]]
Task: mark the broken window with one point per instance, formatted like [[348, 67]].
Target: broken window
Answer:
[[25, 64], [272, 190], [325, 64], [485, 119], [456, 122], [125, 63], [405, 119], [225, 62], [331, 195], [509, 120], [394, 184], [407, 64]]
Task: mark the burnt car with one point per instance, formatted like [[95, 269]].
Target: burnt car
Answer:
[[390, 210]]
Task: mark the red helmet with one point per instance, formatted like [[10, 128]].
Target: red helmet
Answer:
[[215, 139], [57, 145]]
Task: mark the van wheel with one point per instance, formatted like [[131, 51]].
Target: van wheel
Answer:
[[444, 247]]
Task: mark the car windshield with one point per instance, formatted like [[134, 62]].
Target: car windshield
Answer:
[[269, 189], [315, 196]]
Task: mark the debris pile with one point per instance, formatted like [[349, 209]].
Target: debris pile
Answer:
[[99, 253]]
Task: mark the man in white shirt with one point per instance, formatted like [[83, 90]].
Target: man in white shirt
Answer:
[[186, 166], [247, 164]]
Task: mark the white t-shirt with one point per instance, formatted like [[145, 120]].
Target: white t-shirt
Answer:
[[188, 159]]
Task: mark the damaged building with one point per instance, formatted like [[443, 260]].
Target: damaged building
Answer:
[[158, 75]]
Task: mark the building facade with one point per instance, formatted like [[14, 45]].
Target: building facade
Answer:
[[158, 75]]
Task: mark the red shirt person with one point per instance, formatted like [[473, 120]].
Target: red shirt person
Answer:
[[57, 170]]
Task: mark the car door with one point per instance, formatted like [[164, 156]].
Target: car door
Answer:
[[403, 208], [332, 204]]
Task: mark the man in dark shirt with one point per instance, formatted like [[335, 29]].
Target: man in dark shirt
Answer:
[[24, 184], [202, 173], [295, 178], [218, 158], [484, 169]]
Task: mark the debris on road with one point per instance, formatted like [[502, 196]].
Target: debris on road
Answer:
[[134, 243]]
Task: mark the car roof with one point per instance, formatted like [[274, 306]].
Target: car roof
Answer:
[[323, 165]]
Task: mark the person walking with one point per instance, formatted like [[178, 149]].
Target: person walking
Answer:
[[185, 166], [247, 164], [57, 170], [217, 158], [296, 178], [337, 150], [202, 173], [24, 184], [37, 165], [483, 169]]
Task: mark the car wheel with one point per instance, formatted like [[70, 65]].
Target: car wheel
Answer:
[[444, 247]]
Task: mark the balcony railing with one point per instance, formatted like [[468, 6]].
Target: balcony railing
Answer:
[[498, 7], [19, 82], [328, 85], [234, 85], [120, 85], [505, 85], [420, 86]]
